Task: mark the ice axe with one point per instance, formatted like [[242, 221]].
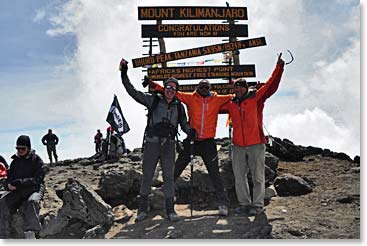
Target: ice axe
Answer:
[[292, 58]]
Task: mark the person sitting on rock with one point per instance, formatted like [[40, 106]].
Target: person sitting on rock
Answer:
[[246, 111], [25, 186], [165, 113]]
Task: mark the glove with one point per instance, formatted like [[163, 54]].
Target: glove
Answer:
[[123, 66], [192, 134], [146, 81], [259, 85], [16, 182]]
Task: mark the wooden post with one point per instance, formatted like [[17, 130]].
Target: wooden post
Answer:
[[162, 44]]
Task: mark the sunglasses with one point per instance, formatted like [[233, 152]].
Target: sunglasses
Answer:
[[21, 148], [239, 85], [170, 87], [204, 87]]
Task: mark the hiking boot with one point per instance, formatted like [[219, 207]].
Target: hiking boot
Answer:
[[223, 210], [143, 208], [256, 211], [29, 235], [242, 210], [174, 217], [170, 210], [141, 216]]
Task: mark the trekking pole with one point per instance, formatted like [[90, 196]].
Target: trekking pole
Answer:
[[192, 174], [109, 146]]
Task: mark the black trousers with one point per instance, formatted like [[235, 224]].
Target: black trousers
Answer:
[[207, 150], [51, 149], [165, 154], [98, 147], [12, 202]]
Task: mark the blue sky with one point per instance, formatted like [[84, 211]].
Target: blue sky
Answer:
[[24, 41], [59, 60]]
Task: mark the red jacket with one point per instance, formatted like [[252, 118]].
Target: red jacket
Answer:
[[202, 111], [247, 115]]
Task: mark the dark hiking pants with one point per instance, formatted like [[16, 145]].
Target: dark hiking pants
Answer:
[[11, 203], [207, 150], [51, 149], [165, 153], [98, 147]]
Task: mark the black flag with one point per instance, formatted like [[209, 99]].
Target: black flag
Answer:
[[116, 119]]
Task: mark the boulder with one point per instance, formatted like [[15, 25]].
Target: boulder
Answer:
[[82, 209], [271, 161], [339, 156], [135, 157], [291, 185], [119, 184], [285, 150]]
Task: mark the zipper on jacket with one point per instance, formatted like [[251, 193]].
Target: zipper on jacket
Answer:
[[202, 117], [241, 114]]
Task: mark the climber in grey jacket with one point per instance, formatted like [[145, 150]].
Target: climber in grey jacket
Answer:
[[165, 113]]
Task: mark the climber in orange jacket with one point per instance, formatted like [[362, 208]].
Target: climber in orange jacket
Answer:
[[203, 107], [246, 111]]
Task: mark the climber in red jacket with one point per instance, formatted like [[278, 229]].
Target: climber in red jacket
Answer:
[[246, 111]]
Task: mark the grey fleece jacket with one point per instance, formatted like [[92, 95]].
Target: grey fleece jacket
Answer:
[[162, 112]]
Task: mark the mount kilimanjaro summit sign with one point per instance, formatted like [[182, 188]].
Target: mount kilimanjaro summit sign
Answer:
[[192, 13]]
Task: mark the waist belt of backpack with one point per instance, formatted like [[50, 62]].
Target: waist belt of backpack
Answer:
[[162, 130]]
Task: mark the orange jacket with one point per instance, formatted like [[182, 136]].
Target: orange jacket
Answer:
[[247, 115], [202, 111]]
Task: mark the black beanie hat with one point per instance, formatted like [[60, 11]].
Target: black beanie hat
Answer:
[[241, 82], [24, 140]]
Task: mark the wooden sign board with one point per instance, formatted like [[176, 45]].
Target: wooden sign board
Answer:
[[202, 72], [193, 30], [220, 88], [200, 51], [192, 13]]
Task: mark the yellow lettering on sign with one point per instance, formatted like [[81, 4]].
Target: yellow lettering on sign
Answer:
[[163, 58], [143, 61], [183, 12], [156, 13], [212, 49], [255, 42]]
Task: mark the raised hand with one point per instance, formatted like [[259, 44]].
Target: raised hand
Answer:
[[280, 61], [123, 66]]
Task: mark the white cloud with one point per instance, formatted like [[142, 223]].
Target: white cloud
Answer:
[[315, 128]]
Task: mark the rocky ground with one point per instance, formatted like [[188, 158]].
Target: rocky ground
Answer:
[[330, 211]]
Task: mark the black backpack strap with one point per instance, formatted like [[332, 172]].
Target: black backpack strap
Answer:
[[180, 110], [150, 114], [152, 107]]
